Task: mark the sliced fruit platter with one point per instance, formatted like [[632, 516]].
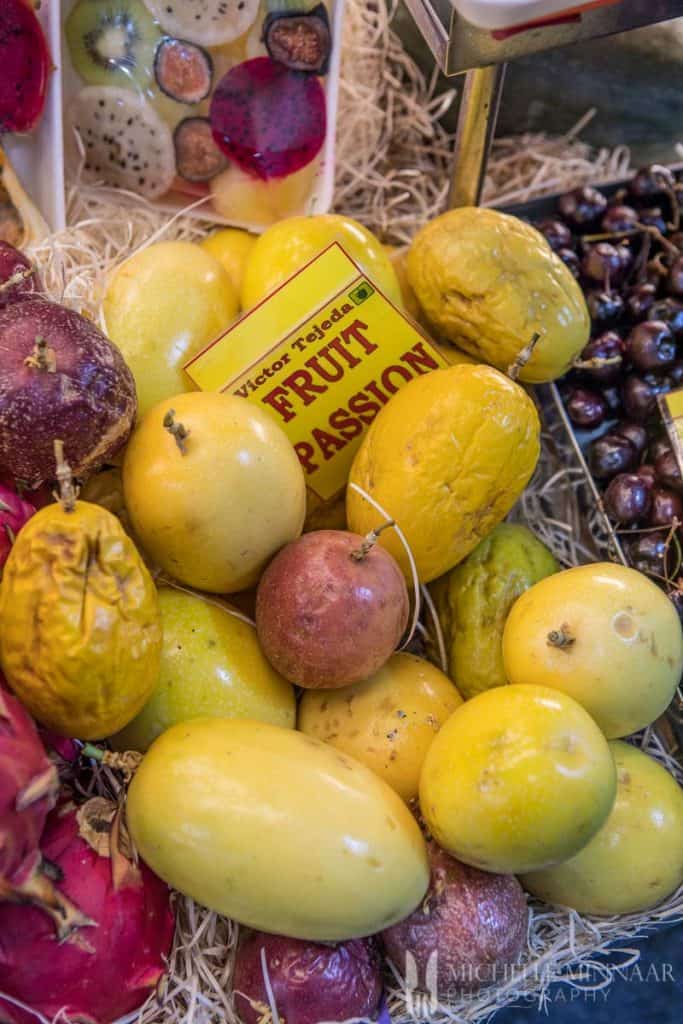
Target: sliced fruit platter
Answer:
[[380, 752], [227, 101]]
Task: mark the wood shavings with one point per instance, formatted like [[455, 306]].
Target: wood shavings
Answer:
[[394, 158]]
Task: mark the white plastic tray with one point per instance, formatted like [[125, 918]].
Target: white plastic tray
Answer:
[[322, 190], [498, 15], [38, 158]]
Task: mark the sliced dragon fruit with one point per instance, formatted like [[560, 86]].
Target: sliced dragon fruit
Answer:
[[125, 141], [271, 121], [26, 65], [207, 22]]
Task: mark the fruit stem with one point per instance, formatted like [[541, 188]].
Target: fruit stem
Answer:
[[128, 762], [561, 638], [657, 264], [596, 363], [67, 490], [640, 262], [370, 540], [606, 236], [523, 357], [655, 233], [176, 430], [42, 358], [675, 221]]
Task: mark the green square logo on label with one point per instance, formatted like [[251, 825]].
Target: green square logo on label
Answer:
[[361, 292]]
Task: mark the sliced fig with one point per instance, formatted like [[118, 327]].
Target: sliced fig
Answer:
[[198, 158], [183, 70], [126, 143], [302, 42], [26, 65], [207, 22], [270, 120]]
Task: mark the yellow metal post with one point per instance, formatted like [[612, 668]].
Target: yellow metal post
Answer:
[[476, 126]]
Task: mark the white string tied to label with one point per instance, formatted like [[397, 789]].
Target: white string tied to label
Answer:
[[413, 566], [440, 642], [269, 987]]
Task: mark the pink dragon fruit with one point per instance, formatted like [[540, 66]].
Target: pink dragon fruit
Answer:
[[109, 965], [270, 120], [14, 512], [26, 65], [28, 789]]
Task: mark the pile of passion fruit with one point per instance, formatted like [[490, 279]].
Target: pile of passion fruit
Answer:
[[627, 253]]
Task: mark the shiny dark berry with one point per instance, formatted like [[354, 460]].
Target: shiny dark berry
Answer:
[[582, 206], [652, 180], [675, 373], [586, 408], [601, 262], [666, 506], [648, 552], [651, 346], [639, 299], [627, 498], [611, 454], [638, 397], [674, 282], [625, 253], [602, 358], [634, 432], [668, 472], [570, 260], [658, 444], [556, 234], [661, 383], [671, 312], [654, 218], [652, 274], [619, 218], [612, 396], [604, 307], [646, 472]]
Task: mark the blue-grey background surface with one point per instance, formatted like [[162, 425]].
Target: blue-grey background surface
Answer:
[[634, 81], [651, 993]]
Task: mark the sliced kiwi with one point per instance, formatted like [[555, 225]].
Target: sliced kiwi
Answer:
[[112, 42], [198, 158], [125, 142], [183, 70]]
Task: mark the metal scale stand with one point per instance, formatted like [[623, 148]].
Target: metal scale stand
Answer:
[[460, 47]]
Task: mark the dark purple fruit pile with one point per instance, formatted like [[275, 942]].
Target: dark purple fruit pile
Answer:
[[627, 252]]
